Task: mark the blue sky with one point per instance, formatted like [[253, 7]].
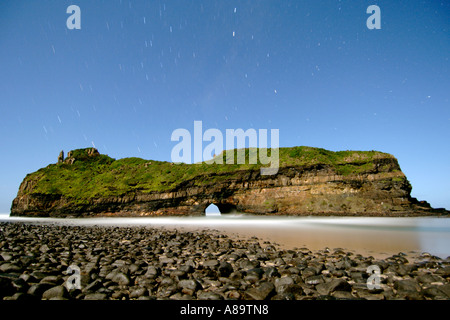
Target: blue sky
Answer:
[[137, 70]]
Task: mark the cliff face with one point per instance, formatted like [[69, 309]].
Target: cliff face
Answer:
[[309, 182]]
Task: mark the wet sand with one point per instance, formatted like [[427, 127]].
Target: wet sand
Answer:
[[379, 238]]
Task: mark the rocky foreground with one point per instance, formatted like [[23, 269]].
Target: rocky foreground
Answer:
[[147, 263]]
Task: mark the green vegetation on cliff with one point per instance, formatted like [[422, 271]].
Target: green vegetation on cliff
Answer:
[[86, 174]]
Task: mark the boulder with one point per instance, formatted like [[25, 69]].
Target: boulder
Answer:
[[261, 292], [334, 285], [57, 292]]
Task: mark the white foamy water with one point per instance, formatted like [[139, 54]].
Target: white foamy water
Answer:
[[379, 237]]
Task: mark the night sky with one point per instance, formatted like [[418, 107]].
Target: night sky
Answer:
[[138, 70]]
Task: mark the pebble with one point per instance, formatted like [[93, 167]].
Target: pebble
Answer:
[[189, 286], [96, 296], [210, 296], [281, 283], [9, 268], [57, 292], [211, 263], [121, 279], [332, 286], [261, 292], [225, 269]]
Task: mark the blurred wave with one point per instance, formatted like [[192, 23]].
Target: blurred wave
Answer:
[[375, 235]]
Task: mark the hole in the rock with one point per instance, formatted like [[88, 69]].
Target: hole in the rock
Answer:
[[212, 210]]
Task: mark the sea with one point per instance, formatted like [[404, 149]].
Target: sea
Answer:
[[379, 237]]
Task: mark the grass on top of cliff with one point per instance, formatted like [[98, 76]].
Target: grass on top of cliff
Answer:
[[97, 175]]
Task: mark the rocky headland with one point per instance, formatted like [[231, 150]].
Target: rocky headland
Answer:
[[309, 181]]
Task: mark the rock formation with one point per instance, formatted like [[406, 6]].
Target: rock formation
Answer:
[[310, 181], [61, 157], [89, 152]]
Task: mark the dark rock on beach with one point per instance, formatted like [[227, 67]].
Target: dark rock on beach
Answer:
[[53, 261]]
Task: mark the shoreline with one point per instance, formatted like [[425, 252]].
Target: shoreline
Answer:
[[380, 237], [148, 262], [432, 213]]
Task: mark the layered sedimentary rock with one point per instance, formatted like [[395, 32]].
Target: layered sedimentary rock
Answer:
[[310, 181]]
